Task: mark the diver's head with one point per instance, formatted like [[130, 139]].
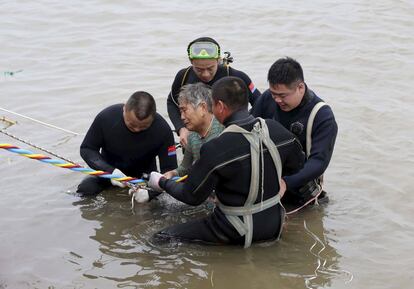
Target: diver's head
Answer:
[[139, 111], [286, 83], [204, 55], [230, 94]]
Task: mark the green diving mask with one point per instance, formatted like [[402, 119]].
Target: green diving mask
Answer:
[[203, 50]]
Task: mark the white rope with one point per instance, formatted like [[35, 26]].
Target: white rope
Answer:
[[133, 202], [321, 263], [314, 199], [40, 122]]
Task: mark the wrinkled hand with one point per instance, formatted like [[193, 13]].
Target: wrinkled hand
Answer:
[[154, 180], [117, 183], [140, 195], [282, 189], [183, 134], [170, 174]]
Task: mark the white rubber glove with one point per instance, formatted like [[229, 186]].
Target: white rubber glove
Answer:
[[140, 196], [154, 180], [121, 175]]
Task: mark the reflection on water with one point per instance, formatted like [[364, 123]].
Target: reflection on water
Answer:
[[129, 259], [325, 264], [123, 236]]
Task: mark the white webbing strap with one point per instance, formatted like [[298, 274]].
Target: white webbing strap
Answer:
[[257, 137], [256, 208], [245, 227], [309, 126]]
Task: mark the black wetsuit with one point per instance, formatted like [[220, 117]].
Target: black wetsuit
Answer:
[[188, 76], [226, 168], [324, 133], [109, 144]]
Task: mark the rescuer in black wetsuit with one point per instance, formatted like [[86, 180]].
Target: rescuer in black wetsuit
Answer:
[[204, 55], [232, 165], [290, 102], [125, 140]]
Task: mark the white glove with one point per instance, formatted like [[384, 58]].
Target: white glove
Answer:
[[154, 180], [120, 175]]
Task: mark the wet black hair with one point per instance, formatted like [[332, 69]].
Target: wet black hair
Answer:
[[202, 39], [232, 91], [285, 71], [143, 105]]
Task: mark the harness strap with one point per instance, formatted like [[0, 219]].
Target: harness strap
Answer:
[[242, 211], [257, 137], [185, 76], [242, 228], [268, 142], [309, 126], [245, 227], [182, 84]]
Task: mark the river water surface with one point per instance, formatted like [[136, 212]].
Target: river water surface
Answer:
[[63, 61]]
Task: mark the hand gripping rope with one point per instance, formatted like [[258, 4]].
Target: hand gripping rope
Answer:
[[131, 182]]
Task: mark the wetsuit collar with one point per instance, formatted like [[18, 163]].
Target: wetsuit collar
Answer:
[[240, 117], [307, 96]]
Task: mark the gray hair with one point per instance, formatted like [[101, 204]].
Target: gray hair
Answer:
[[195, 94]]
